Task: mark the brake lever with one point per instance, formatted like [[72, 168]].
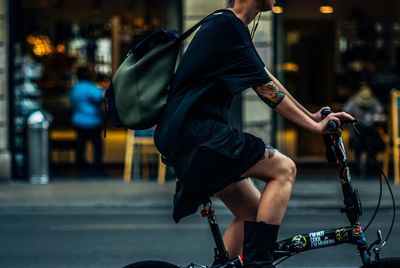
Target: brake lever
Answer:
[[345, 121], [377, 241]]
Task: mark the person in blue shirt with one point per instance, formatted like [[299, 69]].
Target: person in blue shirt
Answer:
[[86, 100]]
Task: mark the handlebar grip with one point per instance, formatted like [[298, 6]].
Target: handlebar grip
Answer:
[[325, 112], [331, 126]]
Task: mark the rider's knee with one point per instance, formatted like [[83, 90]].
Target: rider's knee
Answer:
[[292, 170], [288, 170]]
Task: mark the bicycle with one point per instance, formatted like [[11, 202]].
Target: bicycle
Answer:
[[352, 234]]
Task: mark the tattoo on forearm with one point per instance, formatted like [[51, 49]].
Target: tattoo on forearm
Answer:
[[270, 94]]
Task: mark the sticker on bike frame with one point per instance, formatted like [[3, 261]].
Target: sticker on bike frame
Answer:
[[318, 239], [299, 242], [358, 231], [358, 234], [342, 235]]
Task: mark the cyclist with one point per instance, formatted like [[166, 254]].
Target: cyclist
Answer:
[[209, 156]]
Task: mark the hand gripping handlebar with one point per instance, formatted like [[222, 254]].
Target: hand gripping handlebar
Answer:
[[332, 127]]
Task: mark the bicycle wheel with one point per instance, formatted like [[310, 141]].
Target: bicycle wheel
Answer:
[[151, 264], [384, 263]]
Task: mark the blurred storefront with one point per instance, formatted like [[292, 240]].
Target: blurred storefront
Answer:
[[51, 39], [329, 48]]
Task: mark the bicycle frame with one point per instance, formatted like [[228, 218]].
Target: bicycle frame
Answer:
[[352, 234]]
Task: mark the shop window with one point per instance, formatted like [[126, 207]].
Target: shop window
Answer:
[[73, 33]]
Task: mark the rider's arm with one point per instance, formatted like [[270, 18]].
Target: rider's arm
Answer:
[[277, 99], [315, 116]]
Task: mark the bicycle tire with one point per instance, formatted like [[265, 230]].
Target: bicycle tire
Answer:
[[384, 263], [151, 264]]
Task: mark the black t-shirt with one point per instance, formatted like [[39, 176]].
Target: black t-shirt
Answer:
[[221, 61]]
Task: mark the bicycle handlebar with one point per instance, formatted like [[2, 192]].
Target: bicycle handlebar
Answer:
[[332, 126]]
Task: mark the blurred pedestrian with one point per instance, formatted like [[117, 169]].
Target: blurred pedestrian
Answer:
[[369, 112], [86, 100], [211, 157]]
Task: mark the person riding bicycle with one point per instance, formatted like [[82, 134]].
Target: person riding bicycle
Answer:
[[210, 157]]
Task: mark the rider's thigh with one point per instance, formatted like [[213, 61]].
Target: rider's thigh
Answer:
[[241, 198], [273, 165]]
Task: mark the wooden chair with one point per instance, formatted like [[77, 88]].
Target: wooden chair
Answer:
[[145, 147], [63, 143], [394, 109], [384, 156]]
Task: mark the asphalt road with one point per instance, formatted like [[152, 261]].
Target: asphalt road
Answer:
[[115, 237]]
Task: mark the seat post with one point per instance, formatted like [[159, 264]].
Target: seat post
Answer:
[[220, 252]]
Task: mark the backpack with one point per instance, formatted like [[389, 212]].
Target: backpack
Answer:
[[139, 89]]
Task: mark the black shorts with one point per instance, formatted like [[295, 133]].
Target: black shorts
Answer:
[[206, 171]]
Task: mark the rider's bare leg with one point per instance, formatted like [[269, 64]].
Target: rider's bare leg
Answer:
[[260, 236], [242, 199], [280, 172]]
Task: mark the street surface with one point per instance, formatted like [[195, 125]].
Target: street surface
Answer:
[[113, 237]]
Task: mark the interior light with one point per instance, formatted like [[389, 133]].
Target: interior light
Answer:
[[277, 9], [60, 48], [41, 45], [326, 7], [291, 67]]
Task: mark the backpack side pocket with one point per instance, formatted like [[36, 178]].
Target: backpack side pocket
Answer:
[[110, 107]]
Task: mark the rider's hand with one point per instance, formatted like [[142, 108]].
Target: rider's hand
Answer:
[[317, 116], [322, 125]]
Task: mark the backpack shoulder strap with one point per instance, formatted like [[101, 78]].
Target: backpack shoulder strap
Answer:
[[186, 34]]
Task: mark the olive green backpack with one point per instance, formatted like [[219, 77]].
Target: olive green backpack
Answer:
[[139, 89]]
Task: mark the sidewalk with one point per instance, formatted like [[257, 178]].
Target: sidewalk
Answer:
[[309, 192]]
